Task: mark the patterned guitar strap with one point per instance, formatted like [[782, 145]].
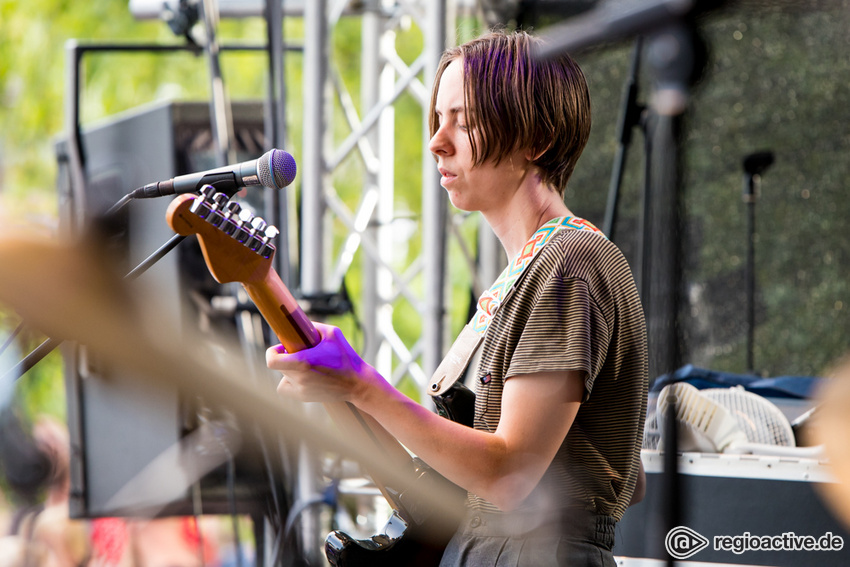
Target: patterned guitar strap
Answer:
[[453, 365]]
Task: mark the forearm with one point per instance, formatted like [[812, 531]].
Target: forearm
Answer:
[[502, 466], [486, 464]]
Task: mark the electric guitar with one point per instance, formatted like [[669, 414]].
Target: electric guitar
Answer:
[[237, 247]]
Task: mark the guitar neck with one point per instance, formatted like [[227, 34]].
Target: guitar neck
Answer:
[[238, 249], [296, 332]]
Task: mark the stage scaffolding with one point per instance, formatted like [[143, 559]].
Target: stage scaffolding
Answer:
[[385, 77], [372, 227]]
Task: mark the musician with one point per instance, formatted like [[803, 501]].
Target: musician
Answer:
[[553, 460]]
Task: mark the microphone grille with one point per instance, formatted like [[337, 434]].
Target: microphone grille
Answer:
[[276, 169]]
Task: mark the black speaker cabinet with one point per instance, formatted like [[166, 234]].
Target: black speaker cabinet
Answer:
[[119, 423]]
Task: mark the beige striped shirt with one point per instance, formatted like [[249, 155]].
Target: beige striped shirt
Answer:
[[576, 307]]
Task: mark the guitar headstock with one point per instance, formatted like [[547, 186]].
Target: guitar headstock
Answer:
[[237, 246]]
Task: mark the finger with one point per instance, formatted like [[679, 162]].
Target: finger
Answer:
[[325, 330], [292, 389], [273, 355], [285, 387]]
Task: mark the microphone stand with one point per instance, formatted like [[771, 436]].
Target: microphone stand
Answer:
[[672, 53], [630, 116], [754, 165], [673, 56], [676, 55], [221, 117]]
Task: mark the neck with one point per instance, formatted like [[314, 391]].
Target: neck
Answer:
[[515, 222]]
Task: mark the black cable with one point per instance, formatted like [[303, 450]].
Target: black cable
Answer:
[[358, 323], [264, 449], [327, 498]]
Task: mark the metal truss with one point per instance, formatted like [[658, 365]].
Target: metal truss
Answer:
[[375, 227]]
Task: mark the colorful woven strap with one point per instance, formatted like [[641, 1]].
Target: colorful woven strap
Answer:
[[491, 299]]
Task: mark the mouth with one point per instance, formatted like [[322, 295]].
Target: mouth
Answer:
[[446, 176]]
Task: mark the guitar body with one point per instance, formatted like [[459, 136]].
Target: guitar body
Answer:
[[238, 248], [457, 404], [396, 545], [401, 543], [417, 542]]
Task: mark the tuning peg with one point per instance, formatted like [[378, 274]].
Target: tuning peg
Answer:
[[216, 216], [266, 249], [243, 230], [259, 225], [201, 206], [231, 218], [207, 192], [220, 200], [270, 233]]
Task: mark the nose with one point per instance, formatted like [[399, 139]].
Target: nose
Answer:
[[439, 142]]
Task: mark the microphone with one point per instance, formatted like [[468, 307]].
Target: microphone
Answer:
[[757, 163], [275, 169]]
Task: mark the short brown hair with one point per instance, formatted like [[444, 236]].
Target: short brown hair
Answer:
[[515, 100]]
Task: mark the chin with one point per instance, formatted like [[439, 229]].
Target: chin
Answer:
[[458, 202], [462, 207]]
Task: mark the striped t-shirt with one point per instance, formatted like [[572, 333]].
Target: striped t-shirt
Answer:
[[576, 307]]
